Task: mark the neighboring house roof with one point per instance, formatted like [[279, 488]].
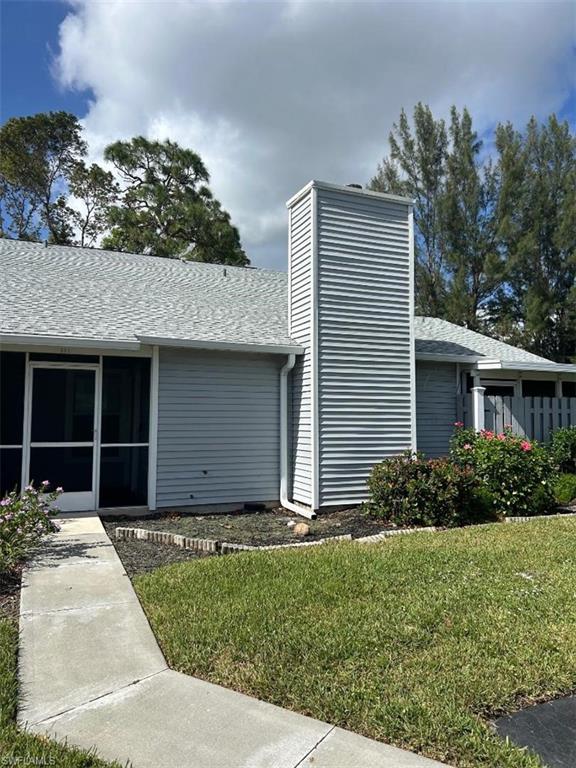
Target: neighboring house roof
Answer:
[[91, 295], [442, 338]]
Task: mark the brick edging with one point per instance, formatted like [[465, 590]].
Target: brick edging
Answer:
[[374, 537], [226, 548], [212, 545], [527, 518]]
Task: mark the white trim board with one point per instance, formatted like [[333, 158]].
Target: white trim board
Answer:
[[39, 349], [224, 346], [153, 429], [314, 359], [66, 341], [412, 289]]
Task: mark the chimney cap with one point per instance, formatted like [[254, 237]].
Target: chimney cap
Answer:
[[351, 189]]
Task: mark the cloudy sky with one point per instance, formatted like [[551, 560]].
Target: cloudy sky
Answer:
[[272, 94]]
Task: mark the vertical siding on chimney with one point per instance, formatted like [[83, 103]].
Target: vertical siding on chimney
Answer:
[[365, 354], [300, 319]]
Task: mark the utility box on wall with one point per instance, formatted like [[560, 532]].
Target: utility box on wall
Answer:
[[351, 307]]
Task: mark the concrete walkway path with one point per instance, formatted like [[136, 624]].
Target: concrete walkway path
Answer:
[[92, 673]]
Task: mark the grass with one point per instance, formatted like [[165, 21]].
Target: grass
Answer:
[[18, 747], [418, 641]]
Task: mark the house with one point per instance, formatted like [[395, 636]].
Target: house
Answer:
[[134, 381]]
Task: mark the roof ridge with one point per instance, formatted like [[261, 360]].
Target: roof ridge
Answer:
[[109, 252]]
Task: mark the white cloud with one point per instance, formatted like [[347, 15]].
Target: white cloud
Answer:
[[274, 94]]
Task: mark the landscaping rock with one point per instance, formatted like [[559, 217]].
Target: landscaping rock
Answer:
[[301, 529]]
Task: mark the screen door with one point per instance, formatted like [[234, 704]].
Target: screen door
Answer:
[[63, 432]]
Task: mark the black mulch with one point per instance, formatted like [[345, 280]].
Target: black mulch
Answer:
[[547, 729]]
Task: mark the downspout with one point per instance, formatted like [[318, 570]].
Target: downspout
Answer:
[[284, 371]]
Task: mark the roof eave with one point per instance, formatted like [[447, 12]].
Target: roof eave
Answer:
[[36, 340], [223, 346], [439, 357], [526, 365]]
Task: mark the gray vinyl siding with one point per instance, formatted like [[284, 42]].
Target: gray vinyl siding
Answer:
[[435, 406], [218, 427], [300, 246], [365, 353]]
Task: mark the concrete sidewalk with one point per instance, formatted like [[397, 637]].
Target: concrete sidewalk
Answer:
[[92, 673]]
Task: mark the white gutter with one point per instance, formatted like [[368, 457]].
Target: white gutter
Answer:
[[224, 346], [66, 341], [304, 511], [525, 365], [493, 364]]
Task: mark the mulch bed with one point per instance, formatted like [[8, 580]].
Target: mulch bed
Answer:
[[253, 528], [144, 556]]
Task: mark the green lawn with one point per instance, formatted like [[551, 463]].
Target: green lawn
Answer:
[[18, 747], [416, 641]]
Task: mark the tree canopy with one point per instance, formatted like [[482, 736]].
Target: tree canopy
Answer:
[[37, 156], [165, 206], [154, 198], [495, 232]]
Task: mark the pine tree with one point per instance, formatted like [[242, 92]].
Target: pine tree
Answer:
[[416, 167], [536, 305], [469, 223], [165, 206]]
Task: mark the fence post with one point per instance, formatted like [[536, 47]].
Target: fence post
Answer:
[[478, 407]]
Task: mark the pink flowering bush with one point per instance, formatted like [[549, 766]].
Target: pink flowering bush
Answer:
[[409, 490], [24, 519], [518, 474]]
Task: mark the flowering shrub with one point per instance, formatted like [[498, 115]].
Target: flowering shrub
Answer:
[[24, 519], [563, 448], [517, 473], [408, 490]]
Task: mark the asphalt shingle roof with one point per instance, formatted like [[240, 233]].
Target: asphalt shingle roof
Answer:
[[108, 296], [439, 337], [103, 295]]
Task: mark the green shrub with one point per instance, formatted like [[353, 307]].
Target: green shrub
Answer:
[[408, 490], [24, 520], [563, 448], [518, 473], [565, 489]]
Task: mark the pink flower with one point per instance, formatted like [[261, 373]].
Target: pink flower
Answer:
[[467, 447], [59, 489], [458, 423], [526, 445], [487, 434], [45, 482], [501, 436]]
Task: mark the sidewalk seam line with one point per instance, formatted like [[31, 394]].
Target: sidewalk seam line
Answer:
[[301, 761], [25, 613], [96, 698]]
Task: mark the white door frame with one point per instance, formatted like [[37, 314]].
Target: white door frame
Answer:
[[75, 501]]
